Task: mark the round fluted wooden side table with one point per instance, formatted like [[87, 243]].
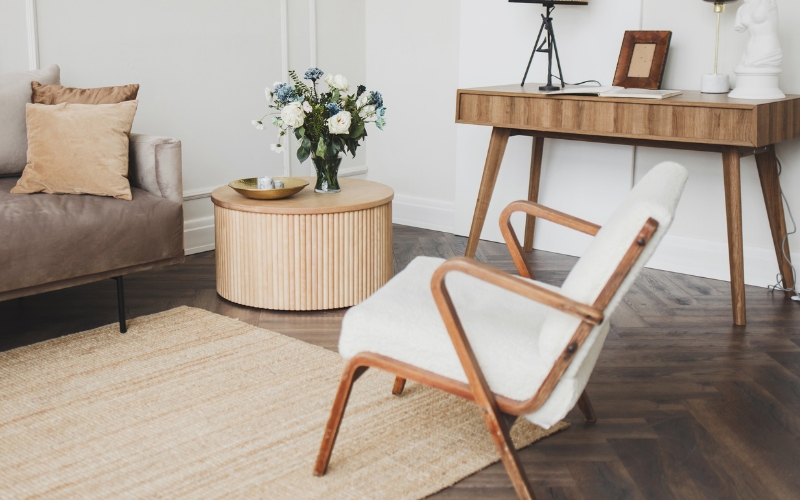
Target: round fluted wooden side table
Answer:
[[307, 252]]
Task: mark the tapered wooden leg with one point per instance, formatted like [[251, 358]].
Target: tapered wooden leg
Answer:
[[533, 189], [733, 207], [496, 423], [585, 406], [771, 187], [399, 385], [350, 375], [497, 147]]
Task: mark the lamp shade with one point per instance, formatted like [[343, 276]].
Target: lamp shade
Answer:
[[557, 2]]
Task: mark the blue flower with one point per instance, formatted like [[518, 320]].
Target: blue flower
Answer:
[[313, 74], [333, 108], [284, 93], [361, 90], [377, 99]]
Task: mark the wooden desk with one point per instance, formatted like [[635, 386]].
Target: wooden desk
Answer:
[[693, 121]]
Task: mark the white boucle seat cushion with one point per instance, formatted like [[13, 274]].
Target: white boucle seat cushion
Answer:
[[401, 321]]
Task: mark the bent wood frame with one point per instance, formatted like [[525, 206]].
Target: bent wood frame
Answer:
[[499, 412]]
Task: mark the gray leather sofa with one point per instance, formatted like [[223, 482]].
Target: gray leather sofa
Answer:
[[50, 241]]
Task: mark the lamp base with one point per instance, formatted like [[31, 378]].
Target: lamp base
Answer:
[[715, 84], [549, 88]]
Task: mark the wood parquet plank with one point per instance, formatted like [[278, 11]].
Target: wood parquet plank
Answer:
[[689, 406]]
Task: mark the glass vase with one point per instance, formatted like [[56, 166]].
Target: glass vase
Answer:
[[327, 174]]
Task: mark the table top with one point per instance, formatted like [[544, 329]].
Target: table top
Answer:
[[356, 194], [688, 98]]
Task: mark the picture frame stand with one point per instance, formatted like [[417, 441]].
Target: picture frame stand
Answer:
[[549, 47]]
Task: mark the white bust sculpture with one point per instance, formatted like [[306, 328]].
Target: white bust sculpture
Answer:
[[760, 67]]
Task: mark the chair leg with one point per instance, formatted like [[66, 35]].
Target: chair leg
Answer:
[[399, 385], [123, 325], [496, 423], [585, 406], [350, 375]]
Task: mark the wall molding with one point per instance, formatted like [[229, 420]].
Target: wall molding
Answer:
[[287, 160], [425, 213], [198, 235], [33, 34], [312, 33]]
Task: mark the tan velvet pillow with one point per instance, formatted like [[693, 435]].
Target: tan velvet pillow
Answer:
[[56, 94], [78, 149]]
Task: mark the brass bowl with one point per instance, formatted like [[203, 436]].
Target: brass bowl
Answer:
[[249, 188]]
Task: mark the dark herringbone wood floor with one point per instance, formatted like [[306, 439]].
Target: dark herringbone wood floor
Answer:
[[688, 405]]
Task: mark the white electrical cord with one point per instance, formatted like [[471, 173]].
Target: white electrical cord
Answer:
[[779, 277]]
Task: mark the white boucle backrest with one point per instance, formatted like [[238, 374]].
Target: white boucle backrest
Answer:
[[656, 196]]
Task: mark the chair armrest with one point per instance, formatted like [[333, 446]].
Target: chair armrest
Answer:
[[513, 284], [155, 166], [543, 212]]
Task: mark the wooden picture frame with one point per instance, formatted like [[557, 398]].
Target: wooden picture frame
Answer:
[[642, 59]]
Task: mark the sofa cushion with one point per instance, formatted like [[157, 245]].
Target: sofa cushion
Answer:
[[51, 237], [78, 149], [56, 94], [15, 92]]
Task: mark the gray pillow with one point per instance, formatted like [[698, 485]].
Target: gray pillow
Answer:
[[15, 92]]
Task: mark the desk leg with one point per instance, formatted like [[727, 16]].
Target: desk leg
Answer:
[[497, 147], [533, 189], [771, 187], [733, 208]]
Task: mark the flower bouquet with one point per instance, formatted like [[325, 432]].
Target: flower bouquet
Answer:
[[326, 124]]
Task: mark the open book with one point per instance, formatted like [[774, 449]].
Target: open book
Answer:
[[616, 92]]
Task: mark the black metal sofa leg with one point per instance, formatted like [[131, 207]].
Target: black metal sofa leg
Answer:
[[123, 326]]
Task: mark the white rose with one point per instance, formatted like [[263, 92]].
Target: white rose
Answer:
[[307, 107], [363, 100], [292, 115], [337, 82], [339, 123], [367, 113]]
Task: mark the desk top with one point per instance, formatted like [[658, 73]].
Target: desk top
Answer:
[[356, 195], [691, 118], [688, 98]]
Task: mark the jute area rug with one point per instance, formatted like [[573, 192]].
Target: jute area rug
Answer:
[[197, 405]]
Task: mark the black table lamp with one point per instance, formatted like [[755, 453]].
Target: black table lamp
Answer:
[[548, 45]]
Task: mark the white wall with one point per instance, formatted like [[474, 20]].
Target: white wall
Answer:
[[494, 42], [412, 59], [202, 67], [13, 36]]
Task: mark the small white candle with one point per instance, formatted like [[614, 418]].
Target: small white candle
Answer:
[[278, 184], [266, 183]]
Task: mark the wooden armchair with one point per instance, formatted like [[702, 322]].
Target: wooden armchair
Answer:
[[514, 346]]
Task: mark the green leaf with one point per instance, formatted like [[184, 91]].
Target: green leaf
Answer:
[[303, 153], [321, 148], [357, 131], [299, 132], [306, 143]]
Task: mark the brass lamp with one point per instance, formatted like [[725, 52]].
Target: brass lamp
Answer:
[[548, 45], [716, 83]]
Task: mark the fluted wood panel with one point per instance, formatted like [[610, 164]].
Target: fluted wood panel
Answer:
[[305, 261]]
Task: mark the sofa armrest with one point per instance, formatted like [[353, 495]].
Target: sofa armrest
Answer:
[[155, 166]]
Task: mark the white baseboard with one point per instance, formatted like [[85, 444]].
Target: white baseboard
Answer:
[[424, 213], [709, 259], [198, 235]]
